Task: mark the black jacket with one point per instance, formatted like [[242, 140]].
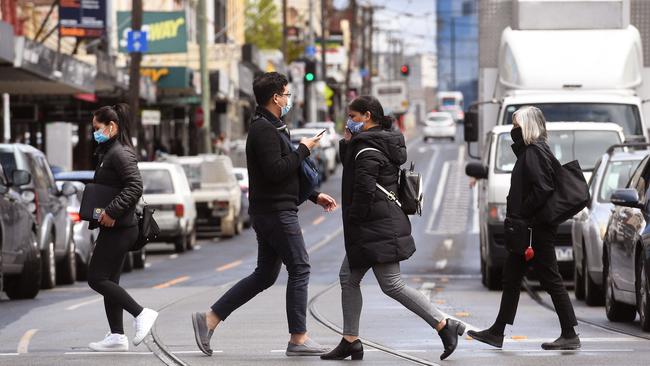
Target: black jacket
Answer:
[[117, 166], [273, 167], [531, 182], [376, 230]]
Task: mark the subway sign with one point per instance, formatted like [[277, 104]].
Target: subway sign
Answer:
[[166, 31]]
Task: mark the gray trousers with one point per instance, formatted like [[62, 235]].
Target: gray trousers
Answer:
[[391, 283]]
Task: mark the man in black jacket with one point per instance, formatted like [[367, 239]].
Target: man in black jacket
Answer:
[[273, 169]]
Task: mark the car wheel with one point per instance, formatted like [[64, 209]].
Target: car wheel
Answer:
[[66, 272], [191, 240], [642, 293], [28, 283], [616, 311], [578, 281], [128, 263], [139, 258], [593, 293], [49, 265], [180, 244]]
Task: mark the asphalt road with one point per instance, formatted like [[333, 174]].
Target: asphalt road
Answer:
[[55, 328]]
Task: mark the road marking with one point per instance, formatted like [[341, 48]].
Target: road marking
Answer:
[[77, 306], [9, 354], [441, 264], [23, 345], [475, 219], [319, 220], [197, 247], [442, 182], [462, 314], [107, 353], [519, 337], [461, 154], [524, 352], [325, 241], [448, 243], [230, 265], [147, 265], [172, 282], [173, 256]]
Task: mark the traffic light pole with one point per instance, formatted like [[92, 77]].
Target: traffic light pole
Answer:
[[205, 76], [134, 77]]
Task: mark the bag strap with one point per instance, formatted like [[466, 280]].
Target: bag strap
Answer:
[[390, 195]]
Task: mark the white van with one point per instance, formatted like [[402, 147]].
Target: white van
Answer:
[[452, 102], [582, 141]]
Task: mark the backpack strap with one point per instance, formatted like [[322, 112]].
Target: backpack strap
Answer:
[[390, 195]]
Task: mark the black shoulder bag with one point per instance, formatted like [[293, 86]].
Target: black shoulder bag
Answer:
[[148, 228]]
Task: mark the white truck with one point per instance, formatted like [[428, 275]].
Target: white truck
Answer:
[[393, 96], [577, 60]]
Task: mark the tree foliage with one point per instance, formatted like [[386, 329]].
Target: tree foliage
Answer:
[[264, 29]]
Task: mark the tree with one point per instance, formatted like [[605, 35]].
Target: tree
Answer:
[[264, 31]]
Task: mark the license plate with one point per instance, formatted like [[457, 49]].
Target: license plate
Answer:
[[564, 254]]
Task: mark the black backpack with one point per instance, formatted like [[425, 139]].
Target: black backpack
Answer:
[[410, 193]]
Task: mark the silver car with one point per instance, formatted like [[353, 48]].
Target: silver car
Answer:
[[589, 226]]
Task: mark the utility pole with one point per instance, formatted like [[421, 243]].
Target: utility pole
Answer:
[[134, 75], [364, 45], [353, 34], [370, 43], [205, 76], [323, 37], [453, 53], [284, 32]]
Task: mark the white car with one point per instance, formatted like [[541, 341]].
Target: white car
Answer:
[[439, 125], [242, 178], [331, 134], [326, 146], [167, 191]]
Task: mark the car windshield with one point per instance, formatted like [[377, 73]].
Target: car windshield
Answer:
[[616, 176], [625, 115], [448, 101], [193, 174], [8, 162], [157, 181], [584, 146], [438, 119]]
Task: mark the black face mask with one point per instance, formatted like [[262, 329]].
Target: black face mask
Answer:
[[517, 135]]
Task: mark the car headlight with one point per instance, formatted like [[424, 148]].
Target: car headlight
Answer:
[[496, 212]]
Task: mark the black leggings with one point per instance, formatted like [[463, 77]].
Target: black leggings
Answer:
[[104, 273]]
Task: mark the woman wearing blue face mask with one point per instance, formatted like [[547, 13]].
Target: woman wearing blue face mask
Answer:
[[377, 233], [117, 167]]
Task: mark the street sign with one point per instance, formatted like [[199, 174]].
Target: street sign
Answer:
[[310, 51], [136, 41], [82, 18], [150, 117]]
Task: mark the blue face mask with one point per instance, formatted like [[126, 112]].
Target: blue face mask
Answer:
[[100, 137], [354, 127], [286, 108]]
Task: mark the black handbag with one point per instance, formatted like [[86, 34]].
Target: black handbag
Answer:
[[148, 228], [517, 235], [570, 196]]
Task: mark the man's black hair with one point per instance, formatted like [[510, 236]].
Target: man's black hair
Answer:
[[268, 84]]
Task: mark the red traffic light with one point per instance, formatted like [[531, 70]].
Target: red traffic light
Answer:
[[404, 70]]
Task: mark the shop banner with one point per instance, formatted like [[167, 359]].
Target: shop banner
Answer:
[[166, 31], [82, 18]]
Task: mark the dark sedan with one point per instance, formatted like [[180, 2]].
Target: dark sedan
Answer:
[[626, 256]]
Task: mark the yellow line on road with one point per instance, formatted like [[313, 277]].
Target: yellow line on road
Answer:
[[172, 282], [77, 306], [318, 220], [228, 266], [23, 345]]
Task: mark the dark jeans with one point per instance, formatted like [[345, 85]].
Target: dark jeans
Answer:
[[279, 241], [104, 273], [545, 266]]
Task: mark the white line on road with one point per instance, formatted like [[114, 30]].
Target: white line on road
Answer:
[[582, 339], [9, 354], [442, 182], [77, 306], [325, 241], [133, 353], [475, 219], [147, 265], [23, 345], [448, 243], [173, 256], [197, 247], [441, 264]]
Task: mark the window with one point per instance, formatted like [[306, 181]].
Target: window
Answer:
[[8, 162], [616, 176], [157, 181]]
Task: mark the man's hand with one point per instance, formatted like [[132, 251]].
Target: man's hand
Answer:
[[105, 220], [310, 142], [347, 135], [326, 201]]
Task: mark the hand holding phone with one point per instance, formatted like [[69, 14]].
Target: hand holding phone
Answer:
[[321, 133]]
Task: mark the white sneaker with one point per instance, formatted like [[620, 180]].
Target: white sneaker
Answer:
[[112, 343], [143, 323]]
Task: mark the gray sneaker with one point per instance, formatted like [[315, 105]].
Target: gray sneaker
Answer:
[[201, 333], [309, 348]]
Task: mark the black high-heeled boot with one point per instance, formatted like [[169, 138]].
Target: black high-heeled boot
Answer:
[[344, 350], [449, 336]]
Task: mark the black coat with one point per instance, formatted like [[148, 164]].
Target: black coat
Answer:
[[118, 167], [376, 230], [532, 181]]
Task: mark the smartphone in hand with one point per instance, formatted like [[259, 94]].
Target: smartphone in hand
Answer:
[[321, 133]]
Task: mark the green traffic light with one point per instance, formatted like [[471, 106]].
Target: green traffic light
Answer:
[[309, 76]]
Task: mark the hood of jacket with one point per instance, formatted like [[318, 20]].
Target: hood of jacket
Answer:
[[391, 143]]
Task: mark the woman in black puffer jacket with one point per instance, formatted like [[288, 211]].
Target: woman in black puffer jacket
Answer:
[[376, 230], [117, 167]]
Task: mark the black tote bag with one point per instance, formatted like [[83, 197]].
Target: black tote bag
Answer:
[[571, 193]]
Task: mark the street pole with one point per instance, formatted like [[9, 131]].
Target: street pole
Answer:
[[370, 55], [453, 53], [6, 117], [284, 31], [353, 34], [134, 75], [323, 38], [205, 75], [364, 45]]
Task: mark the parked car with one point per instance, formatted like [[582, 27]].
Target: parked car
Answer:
[[49, 206], [611, 172], [241, 174], [626, 257], [324, 154], [582, 141], [20, 256], [331, 134], [216, 194], [167, 191], [84, 237], [439, 125]]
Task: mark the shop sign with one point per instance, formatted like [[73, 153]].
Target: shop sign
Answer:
[[150, 117], [166, 31], [169, 77], [82, 18]]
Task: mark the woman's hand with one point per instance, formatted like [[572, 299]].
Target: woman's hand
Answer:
[[105, 220], [347, 135]]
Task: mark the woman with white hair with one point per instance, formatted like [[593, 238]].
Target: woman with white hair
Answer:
[[532, 183]]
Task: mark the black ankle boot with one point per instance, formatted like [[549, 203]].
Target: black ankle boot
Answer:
[[449, 336], [487, 337], [344, 350]]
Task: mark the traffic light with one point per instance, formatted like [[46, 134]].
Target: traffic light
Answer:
[[404, 70], [310, 71]]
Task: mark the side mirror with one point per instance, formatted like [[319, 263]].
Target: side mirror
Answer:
[[626, 197], [476, 170], [470, 125], [20, 178], [68, 189]]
